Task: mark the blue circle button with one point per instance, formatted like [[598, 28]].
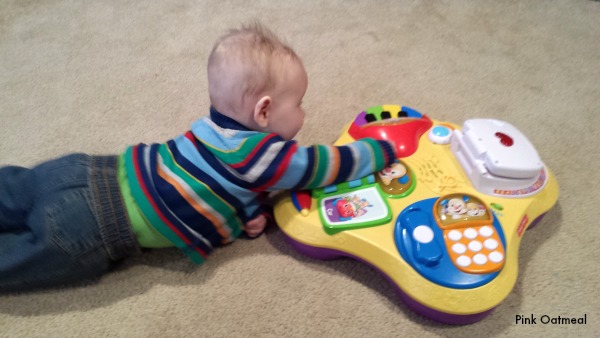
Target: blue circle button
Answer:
[[440, 135]]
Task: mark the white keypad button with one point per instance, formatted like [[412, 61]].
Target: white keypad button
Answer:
[[486, 231], [454, 235], [463, 261], [475, 246], [496, 257], [470, 233], [490, 244], [423, 234], [459, 248], [480, 259]]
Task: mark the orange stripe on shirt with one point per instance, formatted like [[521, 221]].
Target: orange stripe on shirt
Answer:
[[156, 208], [181, 190], [335, 160]]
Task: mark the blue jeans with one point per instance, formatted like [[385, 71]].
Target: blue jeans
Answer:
[[61, 222]]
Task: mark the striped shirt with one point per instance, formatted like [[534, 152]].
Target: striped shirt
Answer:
[[200, 188]]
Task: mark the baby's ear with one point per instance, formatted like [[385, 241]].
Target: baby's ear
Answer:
[[261, 112]]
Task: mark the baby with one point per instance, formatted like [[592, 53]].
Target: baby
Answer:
[[71, 219]]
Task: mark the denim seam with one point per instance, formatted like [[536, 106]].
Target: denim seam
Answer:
[[115, 227]]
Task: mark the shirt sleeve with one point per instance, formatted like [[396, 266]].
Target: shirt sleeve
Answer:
[[297, 167]]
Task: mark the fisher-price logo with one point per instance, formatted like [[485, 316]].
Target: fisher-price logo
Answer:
[[522, 225]]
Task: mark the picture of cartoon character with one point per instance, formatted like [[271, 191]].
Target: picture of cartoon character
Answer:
[[354, 209], [351, 207], [475, 209], [456, 208], [391, 172]]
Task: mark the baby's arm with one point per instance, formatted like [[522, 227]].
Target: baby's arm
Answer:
[[321, 165], [295, 167]]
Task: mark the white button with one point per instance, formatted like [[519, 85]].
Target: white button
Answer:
[[475, 246], [463, 261], [470, 233], [490, 243], [480, 259], [486, 231], [454, 235], [459, 248], [496, 257], [423, 234]]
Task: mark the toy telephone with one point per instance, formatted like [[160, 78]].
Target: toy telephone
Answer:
[[443, 223]]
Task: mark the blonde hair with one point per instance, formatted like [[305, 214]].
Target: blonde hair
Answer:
[[241, 65]]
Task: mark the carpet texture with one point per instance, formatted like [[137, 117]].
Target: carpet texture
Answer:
[[96, 76]]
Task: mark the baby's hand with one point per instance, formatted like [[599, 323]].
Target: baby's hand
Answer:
[[256, 226]]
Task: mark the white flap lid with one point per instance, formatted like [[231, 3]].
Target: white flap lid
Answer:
[[503, 148]]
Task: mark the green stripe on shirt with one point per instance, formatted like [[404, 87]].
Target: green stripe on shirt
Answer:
[[146, 235], [239, 154], [147, 209]]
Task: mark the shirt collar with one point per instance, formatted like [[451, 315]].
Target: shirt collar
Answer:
[[225, 121]]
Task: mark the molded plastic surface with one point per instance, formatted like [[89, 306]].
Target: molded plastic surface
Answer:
[[430, 229]]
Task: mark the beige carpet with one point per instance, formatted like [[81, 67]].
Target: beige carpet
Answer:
[[95, 76]]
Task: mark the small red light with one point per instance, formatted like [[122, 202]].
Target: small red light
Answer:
[[505, 140]]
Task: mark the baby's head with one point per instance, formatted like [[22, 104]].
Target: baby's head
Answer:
[[257, 80]]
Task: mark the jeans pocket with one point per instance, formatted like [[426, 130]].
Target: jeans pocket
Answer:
[[73, 226]]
